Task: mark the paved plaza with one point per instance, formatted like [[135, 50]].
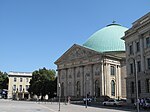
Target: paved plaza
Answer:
[[24, 106]]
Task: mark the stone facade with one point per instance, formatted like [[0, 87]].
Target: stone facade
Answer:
[[83, 71], [137, 41]]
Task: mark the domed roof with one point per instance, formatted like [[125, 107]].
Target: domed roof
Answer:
[[107, 39]]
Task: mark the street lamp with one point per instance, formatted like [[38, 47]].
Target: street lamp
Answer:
[[59, 95], [136, 83]]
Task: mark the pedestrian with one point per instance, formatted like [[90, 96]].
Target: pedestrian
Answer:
[[69, 98], [139, 103], [142, 102]]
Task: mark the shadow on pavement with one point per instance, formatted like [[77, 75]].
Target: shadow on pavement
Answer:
[[128, 108]]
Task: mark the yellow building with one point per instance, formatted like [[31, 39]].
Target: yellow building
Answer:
[[18, 85]]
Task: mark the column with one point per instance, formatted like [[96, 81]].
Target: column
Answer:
[[82, 82], [107, 80], [103, 79], [92, 81], [66, 92], [118, 79], [58, 82], [74, 74], [134, 48], [141, 53]]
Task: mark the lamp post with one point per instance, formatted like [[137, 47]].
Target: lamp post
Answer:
[[136, 83], [59, 95]]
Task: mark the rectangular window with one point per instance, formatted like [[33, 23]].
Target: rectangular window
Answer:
[[139, 86], [14, 88], [139, 66], [148, 85], [112, 70], [27, 79], [20, 79], [131, 68], [20, 88], [137, 46], [131, 49], [147, 42], [148, 63], [15, 79], [132, 87], [27, 87]]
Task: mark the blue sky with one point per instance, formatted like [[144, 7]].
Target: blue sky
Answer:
[[35, 33]]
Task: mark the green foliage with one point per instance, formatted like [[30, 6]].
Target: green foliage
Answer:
[[43, 82], [3, 80]]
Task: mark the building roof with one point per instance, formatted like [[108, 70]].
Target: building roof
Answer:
[[107, 39], [23, 74]]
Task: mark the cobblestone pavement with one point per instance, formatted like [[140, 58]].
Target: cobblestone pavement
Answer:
[[28, 106]]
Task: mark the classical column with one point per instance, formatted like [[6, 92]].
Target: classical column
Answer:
[[107, 79], [118, 82], [134, 48], [74, 74], [92, 81], [82, 82], [141, 53], [58, 82], [66, 92], [103, 79], [100, 79]]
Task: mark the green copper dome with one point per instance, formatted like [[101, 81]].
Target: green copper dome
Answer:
[[107, 39]]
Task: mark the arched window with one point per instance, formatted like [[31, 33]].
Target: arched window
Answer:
[[112, 88], [97, 88], [62, 89], [78, 88]]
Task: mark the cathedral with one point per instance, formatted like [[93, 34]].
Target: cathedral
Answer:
[[96, 68]]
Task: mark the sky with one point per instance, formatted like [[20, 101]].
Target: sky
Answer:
[[35, 33]]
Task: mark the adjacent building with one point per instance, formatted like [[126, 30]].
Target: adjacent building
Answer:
[[137, 42], [18, 85], [96, 68]]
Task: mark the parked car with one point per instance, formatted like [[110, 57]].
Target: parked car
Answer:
[[104, 98], [113, 102], [122, 102], [89, 100], [146, 103]]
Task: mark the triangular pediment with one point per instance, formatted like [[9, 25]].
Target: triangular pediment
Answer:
[[76, 52]]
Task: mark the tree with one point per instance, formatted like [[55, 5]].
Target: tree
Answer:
[[3, 80], [42, 82]]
